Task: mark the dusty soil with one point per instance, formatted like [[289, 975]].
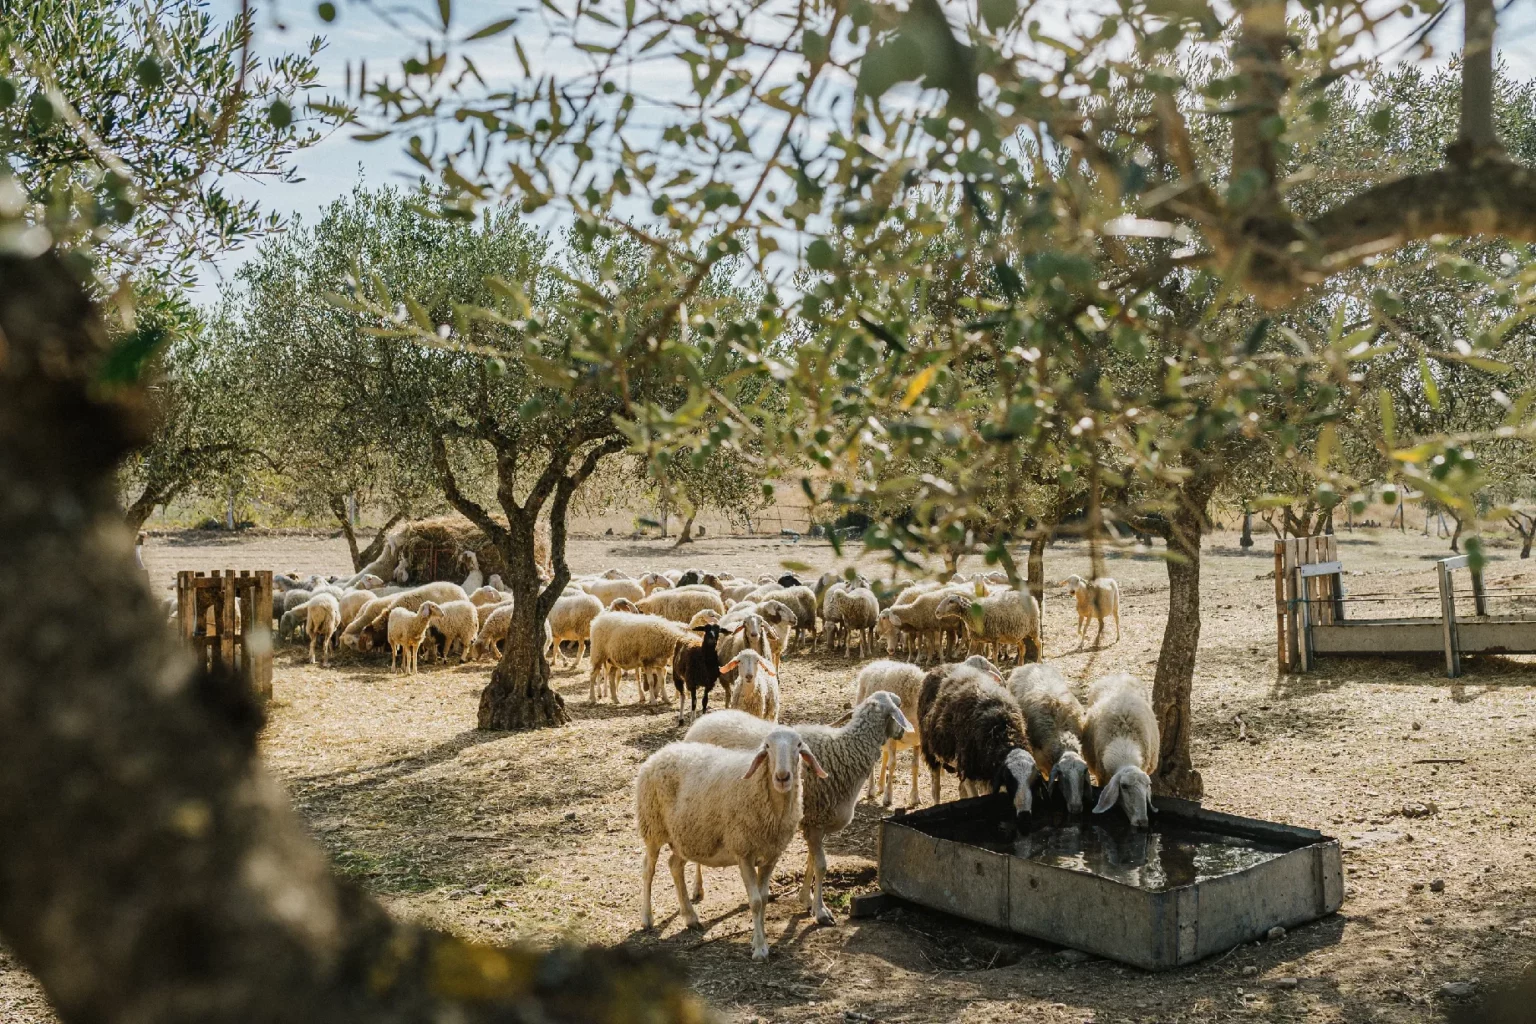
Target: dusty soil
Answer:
[[531, 836]]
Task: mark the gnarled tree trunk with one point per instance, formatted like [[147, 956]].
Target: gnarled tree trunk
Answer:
[[1174, 683], [519, 695]]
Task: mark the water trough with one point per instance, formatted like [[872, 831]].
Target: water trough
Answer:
[[1197, 882]]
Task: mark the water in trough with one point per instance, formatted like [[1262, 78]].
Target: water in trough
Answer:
[[1167, 855]]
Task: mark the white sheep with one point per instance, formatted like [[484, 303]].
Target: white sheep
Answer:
[[571, 619], [846, 756], [495, 625], [629, 640], [748, 632], [853, 612], [800, 600], [352, 602], [486, 595], [652, 582], [1120, 744], [757, 684], [779, 618], [608, 591], [322, 619], [719, 807], [1053, 721], [439, 593], [680, 604], [997, 620], [407, 629], [905, 680], [459, 624], [1096, 599]]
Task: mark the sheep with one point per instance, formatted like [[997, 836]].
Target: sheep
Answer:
[[623, 604], [757, 684], [322, 620], [380, 568], [293, 598], [616, 574], [1009, 617], [905, 680], [703, 616], [799, 599], [680, 605], [696, 666], [407, 629], [846, 755], [543, 550], [1053, 722], [439, 593], [628, 640], [652, 582], [718, 807], [608, 591], [737, 590], [571, 619], [854, 611], [1096, 599], [777, 616], [496, 583], [1121, 745], [484, 596], [458, 626], [748, 632], [495, 624], [918, 619], [971, 725]]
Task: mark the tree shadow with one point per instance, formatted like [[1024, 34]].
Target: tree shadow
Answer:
[[364, 779]]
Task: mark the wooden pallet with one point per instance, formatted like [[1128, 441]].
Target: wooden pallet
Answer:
[[226, 618]]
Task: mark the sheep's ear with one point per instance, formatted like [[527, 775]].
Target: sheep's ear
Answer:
[[1004, 782], [1052, 779], [739, 629], [810, 759], [730, 666], [1108, 795], [757, 762]]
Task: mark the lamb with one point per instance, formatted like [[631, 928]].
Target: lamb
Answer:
[[407, 629], [757, 685], [718, 807], [1121, 745], [608, 591], [779, 618], [571, 619], [696, 666], [799, 599], [680, 605], [628, 640], [458, 625], [495, 625], [1096, 599], [905, 680], [322, 620], [1053, 721], [749, 632], [854, 611], [1009, 617], [972, 726], [846, 755]]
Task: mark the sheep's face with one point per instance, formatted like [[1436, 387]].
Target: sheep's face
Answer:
[[886, 629], [896, 724], [370, 582], [780, 753], [1074, 583], [1131, 788], [1070, 773], [1017, 778], [978, 661]]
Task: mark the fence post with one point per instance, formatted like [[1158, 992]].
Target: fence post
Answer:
[[1448, 620], [1303, 623], [1280, 609], [1479, 597]]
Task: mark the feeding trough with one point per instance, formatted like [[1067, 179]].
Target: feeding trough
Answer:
[[1196, 882]]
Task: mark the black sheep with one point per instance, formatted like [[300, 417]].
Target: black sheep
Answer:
[[696, 665], [789, 580], [972, 726]]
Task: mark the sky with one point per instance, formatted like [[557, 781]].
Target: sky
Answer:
[[331, 168]]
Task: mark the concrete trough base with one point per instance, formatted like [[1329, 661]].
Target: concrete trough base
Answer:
[[959, 858]]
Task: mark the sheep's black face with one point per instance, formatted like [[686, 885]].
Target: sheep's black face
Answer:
[[789, 581]]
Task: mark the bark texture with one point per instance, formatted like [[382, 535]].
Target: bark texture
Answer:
[[151, 869], [1174, 683]]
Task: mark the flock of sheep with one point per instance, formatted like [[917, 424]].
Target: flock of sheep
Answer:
[[739, 784]]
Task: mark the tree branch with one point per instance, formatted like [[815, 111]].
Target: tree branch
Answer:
[[558, 508], [467, 507], [151, 869]]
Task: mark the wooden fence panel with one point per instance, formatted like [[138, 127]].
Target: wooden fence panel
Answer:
[[226, 618]]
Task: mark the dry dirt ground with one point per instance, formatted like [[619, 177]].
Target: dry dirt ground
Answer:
[[531, 836]]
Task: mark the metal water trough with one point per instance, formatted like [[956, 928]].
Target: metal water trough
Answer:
[[955, 858]]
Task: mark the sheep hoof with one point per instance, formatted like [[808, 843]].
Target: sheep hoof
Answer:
[[692, 921], [885, 801], [760, 952], [824, 916]]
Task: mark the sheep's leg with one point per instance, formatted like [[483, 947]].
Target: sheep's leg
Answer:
[[819, 856], [755, 902], [876, 774], [684, 908], [647, 874], [1117, 623], [312, 638], [887, 772], [912, 799], [698, 882], [933, 781]]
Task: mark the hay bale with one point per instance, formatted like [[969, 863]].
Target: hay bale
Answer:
[[430, 549]]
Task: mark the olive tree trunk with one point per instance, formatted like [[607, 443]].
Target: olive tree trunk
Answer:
[[519, 695], [1173, 685], [152, 870]]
